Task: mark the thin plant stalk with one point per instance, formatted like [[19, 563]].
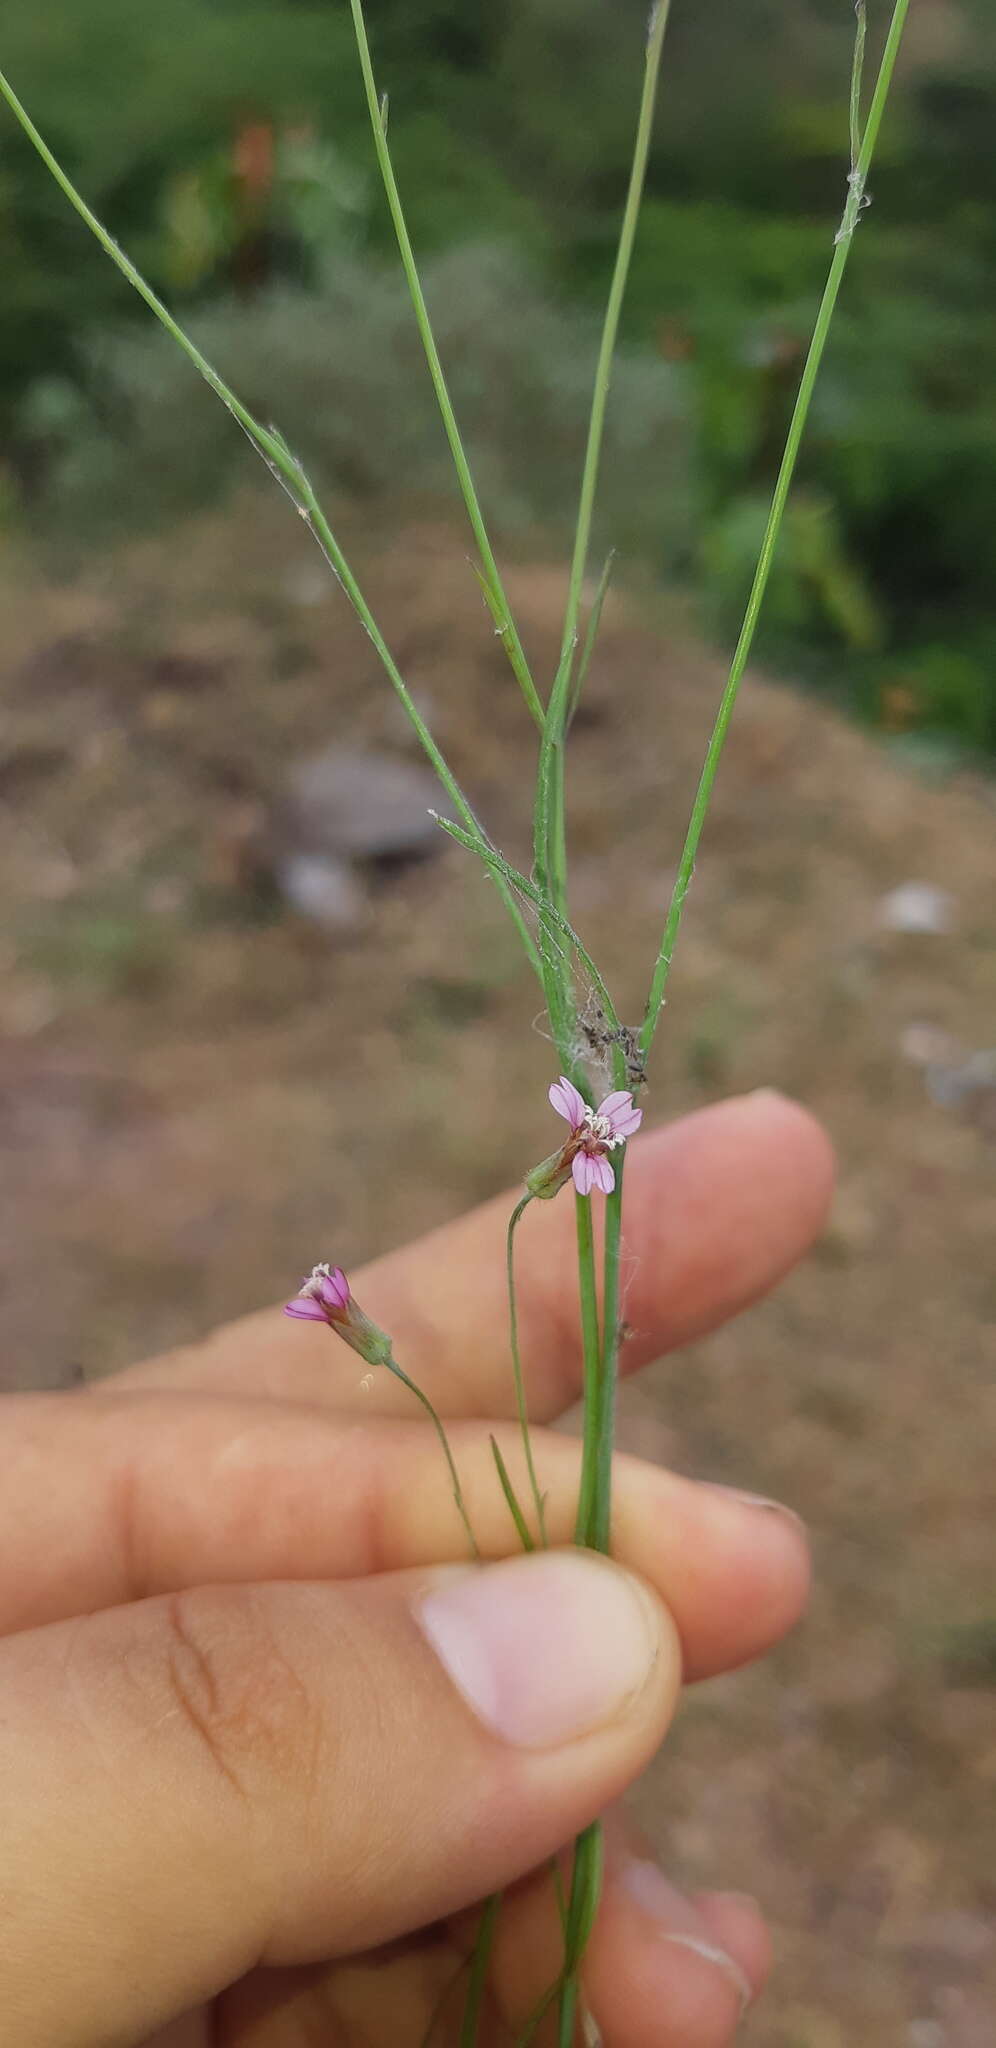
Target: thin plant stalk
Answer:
[[594, 1509], [593, 1525], [480, 1964], [391, 1365], [521, 1405], [549, 851], [551, 920], [591, 635], [601, 1508], [522, 1529], [857, 73], [586, 1887], [591, 1347], [857, 181], [610, 335], [491, 578], [290, 474]]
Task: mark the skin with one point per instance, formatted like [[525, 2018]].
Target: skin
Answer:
[[242, 1801]]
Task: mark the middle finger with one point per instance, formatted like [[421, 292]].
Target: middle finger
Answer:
[[114, 1498]]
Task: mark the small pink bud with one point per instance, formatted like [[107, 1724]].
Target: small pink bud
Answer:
[[326, 1298]]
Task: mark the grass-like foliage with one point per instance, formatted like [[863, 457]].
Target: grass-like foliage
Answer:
[[539, 902]]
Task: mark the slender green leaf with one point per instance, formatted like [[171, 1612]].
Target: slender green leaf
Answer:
[[521, 1525], [494, 588], [856, 186]]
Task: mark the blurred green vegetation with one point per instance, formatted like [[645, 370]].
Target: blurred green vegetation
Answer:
[[225, 143]]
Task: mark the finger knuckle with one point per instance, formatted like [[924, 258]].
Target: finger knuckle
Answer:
[[231, 1683]]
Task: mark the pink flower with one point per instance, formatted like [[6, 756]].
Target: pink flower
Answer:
[[324, 1298], [595, 1132]]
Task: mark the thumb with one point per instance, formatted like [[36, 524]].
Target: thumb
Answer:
[[282, 1773]]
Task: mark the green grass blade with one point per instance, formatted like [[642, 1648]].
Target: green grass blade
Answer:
[[521, 1525], [548, 840], [586, 1887], [857, 72], [493, 587], [480, 1964], [591, 635], [521, 1406], [548, 916], [845, 235]]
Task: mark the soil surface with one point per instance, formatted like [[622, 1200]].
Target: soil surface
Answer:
[[202, 1091]]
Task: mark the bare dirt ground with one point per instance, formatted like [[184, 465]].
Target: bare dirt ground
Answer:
[[201, 1093]]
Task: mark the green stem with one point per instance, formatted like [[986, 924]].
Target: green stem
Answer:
[[586, 1888], [601, 1505], [567, 2016], [522, 1528], [392, 1366], [493, 587], [551, 920], [610, 333], [857, 72], [289, 473], [558, 833], [591, 1351], [479, 1972], [601, 1370], [842, 248], [548, 849], [591, 635], [594, 1524], [522, 1409]]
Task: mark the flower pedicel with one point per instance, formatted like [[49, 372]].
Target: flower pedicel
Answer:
[[326, 1297]]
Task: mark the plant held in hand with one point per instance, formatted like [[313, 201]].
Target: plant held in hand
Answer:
[[600, 1121]]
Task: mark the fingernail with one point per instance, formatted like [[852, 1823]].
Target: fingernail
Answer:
[[755, 1500], [679, 1923], [544, 1649], [735, 1899]]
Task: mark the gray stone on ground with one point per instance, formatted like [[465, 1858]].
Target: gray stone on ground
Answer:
[[357, 805], [917, 907], [322, 889]]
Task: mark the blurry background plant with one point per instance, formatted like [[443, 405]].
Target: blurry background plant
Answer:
[[342, 362], [237, 131]]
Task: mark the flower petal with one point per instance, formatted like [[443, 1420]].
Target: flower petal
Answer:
[[583, 1169], [567, 1102], [625, 1122], [620, 1100], [305, 1309], [623, 1118], [602, 1174], [334, 1289]]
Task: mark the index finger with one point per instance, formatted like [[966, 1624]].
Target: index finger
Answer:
[[718, 1207]]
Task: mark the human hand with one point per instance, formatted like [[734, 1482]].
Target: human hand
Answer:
[[245, 1794]]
